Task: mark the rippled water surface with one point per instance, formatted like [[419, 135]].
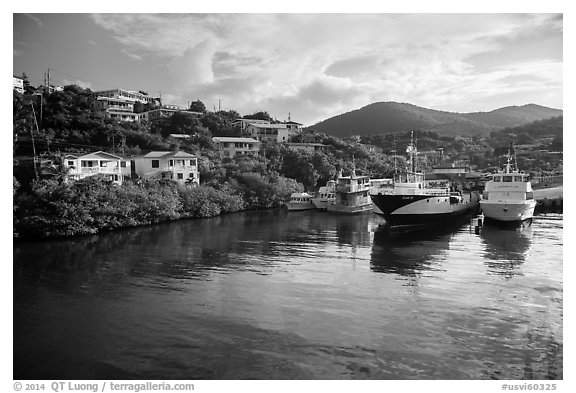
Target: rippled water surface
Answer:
[[299, 295]]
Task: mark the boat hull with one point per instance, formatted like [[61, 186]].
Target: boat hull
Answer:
[[341, 209], [422, 210], [322, 204], [507, 212], [300, 206]]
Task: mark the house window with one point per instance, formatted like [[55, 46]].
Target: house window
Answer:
[[171, 162], [102, 163], [180, 175], [71, 163], [192, 163], [155, 163], [191, 175], [123, 164]]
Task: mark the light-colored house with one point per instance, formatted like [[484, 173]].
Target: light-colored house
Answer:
[[179, 166], [115, 108], [113, 167], [451, 170], [18, 83], [232, 146], [310, 147], [269, 132], [133, 96], [166, 112], [293, 126], [243, 123]]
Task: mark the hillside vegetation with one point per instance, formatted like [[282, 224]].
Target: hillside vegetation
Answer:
[[387, 117]]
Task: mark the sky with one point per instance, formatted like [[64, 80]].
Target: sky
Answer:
[[308, 66]]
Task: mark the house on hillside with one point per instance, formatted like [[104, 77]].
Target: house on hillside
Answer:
[[243, 123], [111, 166], [18, 83], [233, 146], [179, 166], [165, 112], [127, 95], [269, 132], [115, 108], [373, 148], [310, 147]]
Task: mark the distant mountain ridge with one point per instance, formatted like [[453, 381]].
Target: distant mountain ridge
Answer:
[[387, 117]]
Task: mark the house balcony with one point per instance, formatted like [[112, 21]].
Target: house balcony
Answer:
[[96, 170]]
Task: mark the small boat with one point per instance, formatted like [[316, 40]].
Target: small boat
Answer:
[[508, 198], [411, 204], [326, 195], [352, 195], [300, 201]]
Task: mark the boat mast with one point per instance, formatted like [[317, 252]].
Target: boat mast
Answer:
[[411, 150]]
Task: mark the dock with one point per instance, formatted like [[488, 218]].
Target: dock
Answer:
[[549, 200]]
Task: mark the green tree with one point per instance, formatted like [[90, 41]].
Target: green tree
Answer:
[[262, 115], [198, 106]]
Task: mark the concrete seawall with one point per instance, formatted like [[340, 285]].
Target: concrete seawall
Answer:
[[550, 200]]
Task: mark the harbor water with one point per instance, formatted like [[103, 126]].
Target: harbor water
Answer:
[[292, 295]]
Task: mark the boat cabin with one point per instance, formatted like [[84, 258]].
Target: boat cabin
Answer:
[[510, 177]]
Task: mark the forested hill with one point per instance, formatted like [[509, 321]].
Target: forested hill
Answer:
[[528, 133], [387, 117]]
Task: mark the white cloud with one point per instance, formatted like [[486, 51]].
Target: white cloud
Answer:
[[77, 82], [317, 64], [34, 18], [132, 55]]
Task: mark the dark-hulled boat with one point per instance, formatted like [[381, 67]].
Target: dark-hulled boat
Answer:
[[411, 204]]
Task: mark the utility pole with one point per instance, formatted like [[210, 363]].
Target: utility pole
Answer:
[[33, 144]]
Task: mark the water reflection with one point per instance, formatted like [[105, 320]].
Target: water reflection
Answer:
[[410, 254], [277, 295], [505, 250]]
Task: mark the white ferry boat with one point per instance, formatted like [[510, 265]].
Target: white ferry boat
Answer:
[[411, 204], [508, 198], [352, 195], [300, 201], [326, 195]]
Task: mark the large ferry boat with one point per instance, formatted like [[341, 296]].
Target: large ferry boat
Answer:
[[508, 198], [326, 195], [411, 204], [352, 195]]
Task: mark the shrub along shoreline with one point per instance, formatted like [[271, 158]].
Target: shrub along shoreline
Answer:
[[56, 209]]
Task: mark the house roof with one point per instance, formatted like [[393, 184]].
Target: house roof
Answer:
[[437, 176], [168, 154], [99, 155], [234, 139], [267, 125], [296, 144]]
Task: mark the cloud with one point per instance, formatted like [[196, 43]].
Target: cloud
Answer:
[[34, 18], [321, 63], [194, 66], [132, 55], [77, 82]]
